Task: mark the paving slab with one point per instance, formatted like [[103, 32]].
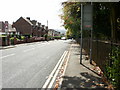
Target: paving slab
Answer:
[[81, 76]]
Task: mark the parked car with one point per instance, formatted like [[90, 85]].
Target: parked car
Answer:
[[63, 38]]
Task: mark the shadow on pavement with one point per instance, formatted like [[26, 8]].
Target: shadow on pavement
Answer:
[[90, 69], [87, 82]]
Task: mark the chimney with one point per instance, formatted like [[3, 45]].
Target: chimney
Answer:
[[39, 24], [28, 18], [43, 26], [34, 22], [46, 27], [6, 22]]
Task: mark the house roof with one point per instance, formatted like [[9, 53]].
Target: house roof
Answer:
[[27, 21]]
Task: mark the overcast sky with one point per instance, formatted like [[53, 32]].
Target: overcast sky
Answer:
[[40, 10]]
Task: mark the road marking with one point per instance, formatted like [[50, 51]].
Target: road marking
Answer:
[[28, 49], [53, 74], [7, 55], [56, 73], [68, 57]]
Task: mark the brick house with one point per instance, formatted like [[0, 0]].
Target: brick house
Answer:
[[46, 30], [52, 33], [37, 28], [2, 26], [43, 32], [24, 26], [5, 30], [6, 27], [30, 27], [56, 33]]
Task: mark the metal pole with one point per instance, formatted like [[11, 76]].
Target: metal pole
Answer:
[[91, 41], [91, 48], [81, 34]]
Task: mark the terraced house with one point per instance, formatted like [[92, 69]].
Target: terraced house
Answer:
[[28, 27], [6, 30]]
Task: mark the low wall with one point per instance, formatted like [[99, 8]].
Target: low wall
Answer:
[[29, 40]]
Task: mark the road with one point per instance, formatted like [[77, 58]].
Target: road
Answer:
[[29, 65]]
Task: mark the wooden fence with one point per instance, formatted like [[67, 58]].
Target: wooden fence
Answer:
[[100, 50]]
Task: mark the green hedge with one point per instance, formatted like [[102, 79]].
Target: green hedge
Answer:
[[57, 37], [113, 67], [22, 37]]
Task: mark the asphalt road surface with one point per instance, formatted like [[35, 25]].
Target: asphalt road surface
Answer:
[[29, 65]]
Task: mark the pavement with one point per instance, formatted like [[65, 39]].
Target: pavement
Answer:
[[81, 76], [6, 47]]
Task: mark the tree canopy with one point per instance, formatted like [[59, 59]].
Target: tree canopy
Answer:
[[105, 16]]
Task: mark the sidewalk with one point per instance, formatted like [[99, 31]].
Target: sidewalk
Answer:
[[81, 76], [6, 47], [12, 46]]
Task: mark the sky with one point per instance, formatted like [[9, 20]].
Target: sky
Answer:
[[40, 10]]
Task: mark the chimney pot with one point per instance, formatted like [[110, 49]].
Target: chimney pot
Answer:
[[28, 18]]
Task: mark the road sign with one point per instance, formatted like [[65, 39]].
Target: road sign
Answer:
[[86, 24], [87, 16]]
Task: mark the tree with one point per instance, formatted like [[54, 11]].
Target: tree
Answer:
[[105, 17], [105, 20], [71, 17]]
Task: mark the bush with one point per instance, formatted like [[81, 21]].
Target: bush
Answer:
[[12, 40], [50, 38], [30, 36], [17, 39], [57, 37], [113, 67], [22, 37]]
